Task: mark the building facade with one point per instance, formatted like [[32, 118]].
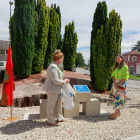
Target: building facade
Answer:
[[132, 60], [3, 50]]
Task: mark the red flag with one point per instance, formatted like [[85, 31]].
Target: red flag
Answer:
[[8, 83]]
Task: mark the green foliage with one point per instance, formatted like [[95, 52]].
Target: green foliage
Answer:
[[98, 20], [99, 57], [134, 77], [22, 35], [59, 13], [53, 36], [69, 46], [11, 27], [79, 60], [41, 35], [106, 47], [137, 47]]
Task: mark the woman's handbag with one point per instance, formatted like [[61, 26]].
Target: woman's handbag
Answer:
[[67, 96]]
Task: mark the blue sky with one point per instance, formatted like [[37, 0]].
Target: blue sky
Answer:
[[82, 11]]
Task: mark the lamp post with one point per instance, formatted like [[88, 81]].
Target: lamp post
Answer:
[[11, 3]]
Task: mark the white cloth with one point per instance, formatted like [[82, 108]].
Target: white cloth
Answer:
[[67, 97]]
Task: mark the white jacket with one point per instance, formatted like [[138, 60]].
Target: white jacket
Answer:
[[54, 80]]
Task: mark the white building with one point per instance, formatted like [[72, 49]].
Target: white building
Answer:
[[3, 50]]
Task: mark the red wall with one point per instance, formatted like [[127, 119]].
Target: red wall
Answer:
[[134, 63], [126, 59], [138, 57], [131, 63]]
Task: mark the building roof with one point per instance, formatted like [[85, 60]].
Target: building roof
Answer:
[[132, 53]]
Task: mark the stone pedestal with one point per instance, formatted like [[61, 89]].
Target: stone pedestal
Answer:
[[82, 93], [43, 112], [71, 113], [92, 108]]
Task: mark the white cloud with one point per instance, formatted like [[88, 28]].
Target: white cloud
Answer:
[[126, 47], [82, 11]]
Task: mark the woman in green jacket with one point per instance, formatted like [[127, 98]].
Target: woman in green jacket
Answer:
[[118, 92]]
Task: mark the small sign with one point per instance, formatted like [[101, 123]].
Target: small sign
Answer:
[[81, 88]]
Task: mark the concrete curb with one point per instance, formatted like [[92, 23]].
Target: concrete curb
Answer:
[[101, 98], [134, 79]]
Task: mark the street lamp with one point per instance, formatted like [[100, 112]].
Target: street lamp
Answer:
[[11, 3]]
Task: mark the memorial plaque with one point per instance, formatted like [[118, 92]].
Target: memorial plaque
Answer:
[[82, 93], [81, 88]]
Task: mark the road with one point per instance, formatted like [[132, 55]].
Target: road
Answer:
[[133, 83], [82, 71], [130, 83]]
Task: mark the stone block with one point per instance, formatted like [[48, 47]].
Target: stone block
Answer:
[[14, 102], [106, 99], [43, 96], [92, 108], [71, 113], [27, 101], [35, 100], [103, 99], [20, 102], [82, 96], [43, 112]]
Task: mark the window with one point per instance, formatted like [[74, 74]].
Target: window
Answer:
[[2, 51], [134, 58], [6, 51]]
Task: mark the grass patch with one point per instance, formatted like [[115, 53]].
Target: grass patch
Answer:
[[134, 77]]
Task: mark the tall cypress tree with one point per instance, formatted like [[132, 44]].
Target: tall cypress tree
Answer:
[[116, 33], [57, 9], [59, 46], [23, 36], [41, 35], [99, 57], [11, 27], [69, 46], [106, 47], [53, 36], [98, 20]]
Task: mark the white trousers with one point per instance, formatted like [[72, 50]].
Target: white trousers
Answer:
[[54, 101]]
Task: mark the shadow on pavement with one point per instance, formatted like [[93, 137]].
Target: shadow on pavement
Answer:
[[22, 126]]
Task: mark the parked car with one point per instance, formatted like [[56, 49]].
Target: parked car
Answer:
[[2, 67], [74, 69]]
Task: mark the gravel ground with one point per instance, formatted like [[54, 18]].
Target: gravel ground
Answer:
[[28, 90], [84, 128]]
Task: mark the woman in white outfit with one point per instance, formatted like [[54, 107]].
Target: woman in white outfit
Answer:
[[53, 86]]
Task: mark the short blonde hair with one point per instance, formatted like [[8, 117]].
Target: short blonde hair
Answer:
[[57, 54]]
